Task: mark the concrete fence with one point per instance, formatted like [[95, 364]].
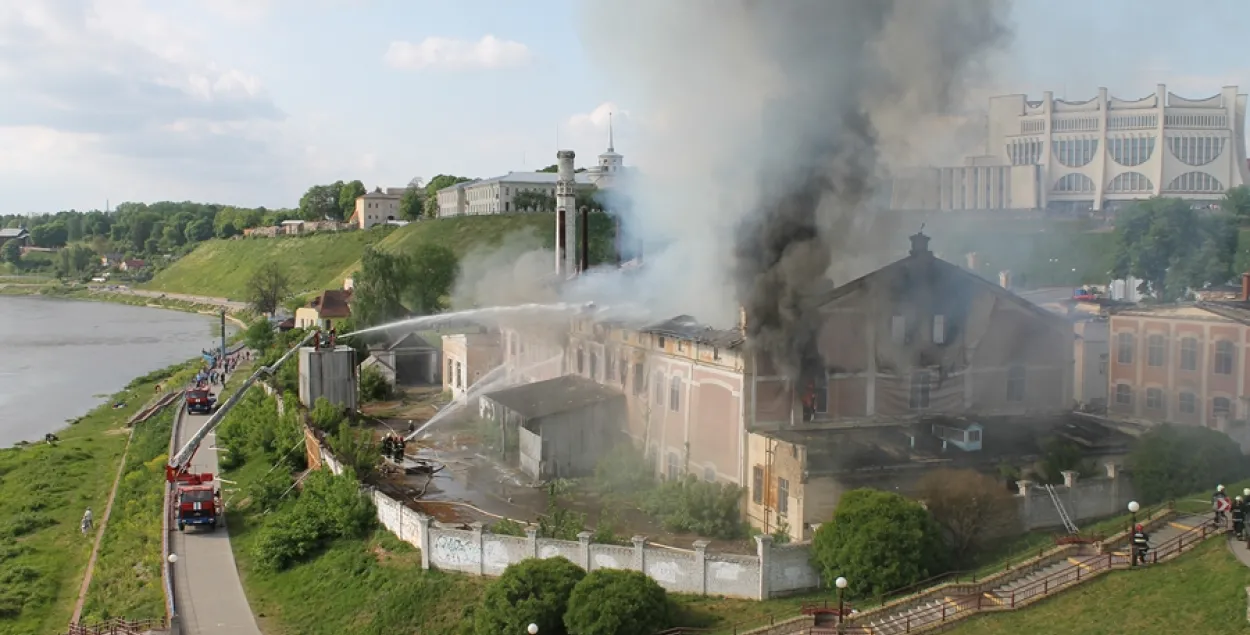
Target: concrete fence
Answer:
[[772, 571], [1082, 499]]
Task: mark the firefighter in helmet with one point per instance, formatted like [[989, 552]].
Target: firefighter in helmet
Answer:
[[1141, 544], [1239, 516]]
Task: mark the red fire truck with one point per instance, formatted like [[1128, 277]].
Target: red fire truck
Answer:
[[197, 501]]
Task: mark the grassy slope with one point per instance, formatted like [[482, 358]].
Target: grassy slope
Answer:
[[1201, 593], [222, 268], [127, 579], [41, 570]]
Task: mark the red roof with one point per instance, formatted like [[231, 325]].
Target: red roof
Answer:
[[333, 303]]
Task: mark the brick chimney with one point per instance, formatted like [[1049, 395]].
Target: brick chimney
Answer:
[[1245, 287]]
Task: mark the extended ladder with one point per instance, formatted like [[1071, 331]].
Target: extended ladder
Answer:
[[1063, 513]]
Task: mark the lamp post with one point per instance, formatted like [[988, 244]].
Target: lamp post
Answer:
[[173, 557], [1132, 551], [841, 584], [532, 629]]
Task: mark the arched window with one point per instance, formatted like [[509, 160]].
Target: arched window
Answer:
[[1221, 406], [1195, 182], [1131, 151], [1074, 153], [1196, 150], [1075, 183], [1131, 182], [1123, 395]]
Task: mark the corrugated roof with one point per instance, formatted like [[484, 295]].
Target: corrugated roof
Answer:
[[553, 396], [12, 232]]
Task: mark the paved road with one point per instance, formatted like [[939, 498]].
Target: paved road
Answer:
[[198, 299], [207, 591]]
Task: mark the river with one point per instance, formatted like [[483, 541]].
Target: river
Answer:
[[61, 358]]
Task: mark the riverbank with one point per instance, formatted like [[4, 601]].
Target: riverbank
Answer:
[[55, 289], [43, 493]]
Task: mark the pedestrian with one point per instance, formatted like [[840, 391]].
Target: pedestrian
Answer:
[[1239, 516], [86, 521], [1220, 502]]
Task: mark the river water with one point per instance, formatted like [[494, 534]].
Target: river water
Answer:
[[61, 358]]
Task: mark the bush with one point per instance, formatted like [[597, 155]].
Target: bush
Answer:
[[691, 505], [624, 472], [24, 523], [969, 506], [616, 602], [329, 508], [356, 450], [259, 335], [879, 541], [531, 591], [508, 527], [1171, 461], [327, 417], [374, 386]]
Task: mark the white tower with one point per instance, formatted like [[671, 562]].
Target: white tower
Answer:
[[566, 214], [610, 163]]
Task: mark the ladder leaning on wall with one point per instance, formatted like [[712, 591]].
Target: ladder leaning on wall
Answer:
[[1063, 513]]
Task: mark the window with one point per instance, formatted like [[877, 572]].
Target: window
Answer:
[[659, 389], [1188, 403], [919, 390], [581, 361], [783, 496], [757, 485], [1223, 357], [1154, 350], [681, 346], [715, 352], [624, 371], [974, 436], [898, 328], [451, 371], [459, 375], [1124, 348], [594, 365], [1123, 394], [673, 470], [609, 364], [1015, 383], [939, 329], [674, 395], [640, 379], [512, 344], [820, 396], [709, 474], [1189, 354], [660, 341], [1221, 406], [1154, 399]]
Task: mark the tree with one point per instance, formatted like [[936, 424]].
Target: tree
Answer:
[[970, 506], [412, 203], [431, 207], [616, 602], [49, 235], [1171, 248], [347, 198], [534, 202], [373, 384], [356, 450], [432, 271], [531, 591], [879, 541], [259, 335], [378, 288], [198, 230], [1237, 203], [267, 287], [551, 169], [321, 201], [1170, 461], [11, 252]]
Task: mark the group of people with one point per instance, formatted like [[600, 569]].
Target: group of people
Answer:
[[214, 372], [1237, 508]]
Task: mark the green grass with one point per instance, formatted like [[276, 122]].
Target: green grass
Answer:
[[1203, 592], [43, 492], [127, 578], [222, 268]]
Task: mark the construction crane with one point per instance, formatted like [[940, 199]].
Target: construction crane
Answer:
[[177, 471]]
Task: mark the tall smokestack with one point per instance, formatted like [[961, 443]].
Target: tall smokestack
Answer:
[[585, 240], [560, 234], [566, 204]]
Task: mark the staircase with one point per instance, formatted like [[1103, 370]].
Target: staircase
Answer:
[[1015, 589]]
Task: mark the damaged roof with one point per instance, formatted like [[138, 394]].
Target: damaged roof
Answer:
[[553, 396], [687, 328], [333, 303]]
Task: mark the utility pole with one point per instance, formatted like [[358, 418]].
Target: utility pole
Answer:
[[223, 334]]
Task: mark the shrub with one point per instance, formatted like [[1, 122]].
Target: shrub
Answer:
[[508, 527], [373, 385], [1170, 461], [691, 505], [357, 450], [326, 416], [969, 506], [879, 541], [329, 508], [24, 523], [531, 591], [259, 335], [616, 602]]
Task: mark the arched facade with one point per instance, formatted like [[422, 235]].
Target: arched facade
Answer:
[[1107, 150]]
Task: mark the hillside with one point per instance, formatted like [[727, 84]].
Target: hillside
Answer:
[[1201, 593], [222, 268]]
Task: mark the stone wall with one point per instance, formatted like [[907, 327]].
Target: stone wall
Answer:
[[1098, 497], [772, 571]]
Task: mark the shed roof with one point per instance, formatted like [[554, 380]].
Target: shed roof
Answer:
[[553, 396], [13, 232]]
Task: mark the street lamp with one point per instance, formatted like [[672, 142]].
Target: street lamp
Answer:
[[532, 629], [1132, 550], [173, 557], [841, 584]]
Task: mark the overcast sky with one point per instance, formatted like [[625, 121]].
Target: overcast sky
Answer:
[[250, 101]]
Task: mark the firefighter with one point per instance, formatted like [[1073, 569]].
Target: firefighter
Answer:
[[1216, 499], [1239, 516], [1141, 544], [86, 521]]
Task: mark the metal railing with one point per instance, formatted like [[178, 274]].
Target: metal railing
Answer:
[[982, 599], [116, 626], [167, 567]]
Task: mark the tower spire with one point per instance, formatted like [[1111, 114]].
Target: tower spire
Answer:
[[611, 140]]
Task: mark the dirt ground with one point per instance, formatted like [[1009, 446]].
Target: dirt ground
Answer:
[[468, 484]]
